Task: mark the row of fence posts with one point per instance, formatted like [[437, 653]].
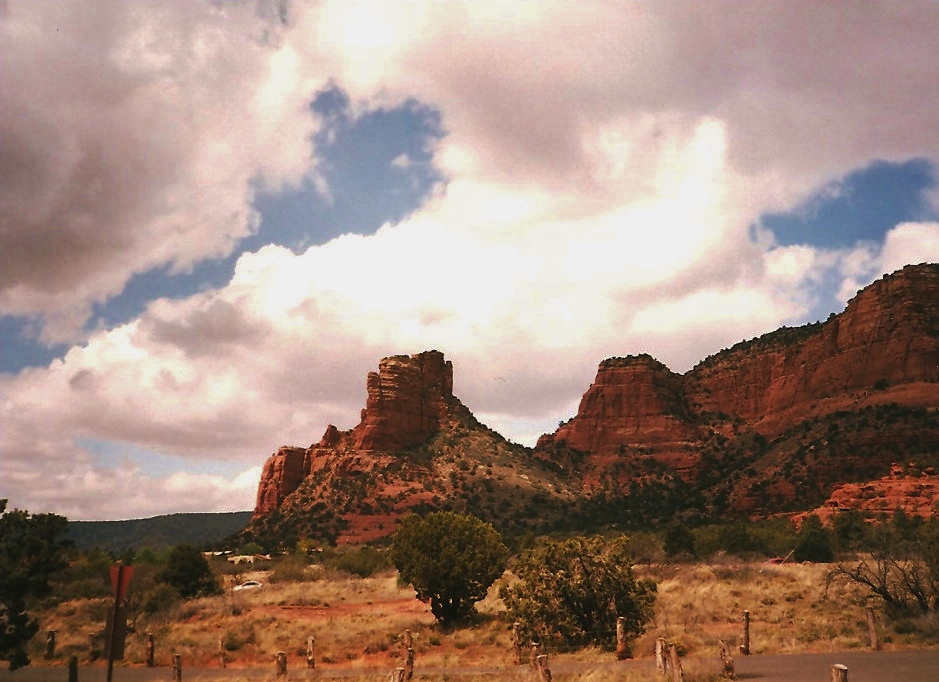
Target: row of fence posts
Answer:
[[94, 651], [667, 657]]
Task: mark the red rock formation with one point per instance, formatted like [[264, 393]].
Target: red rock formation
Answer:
[[908, 489], [408, 399], [885, 338], [634, 402], [884, 348], [282, 474]]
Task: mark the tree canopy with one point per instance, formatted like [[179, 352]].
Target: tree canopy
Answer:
[[32, 548], [575, 590], [450, 559], [188, 572], [814, 542]]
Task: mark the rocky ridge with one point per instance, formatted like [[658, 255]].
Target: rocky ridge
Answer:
[[416, 447], [772, 424]]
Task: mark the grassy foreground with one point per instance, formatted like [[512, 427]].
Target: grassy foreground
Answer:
[[358, 624]]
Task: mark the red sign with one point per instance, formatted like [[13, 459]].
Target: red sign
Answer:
[[120, 579]]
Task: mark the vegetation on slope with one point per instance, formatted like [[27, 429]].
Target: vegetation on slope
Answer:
[[158, 532]]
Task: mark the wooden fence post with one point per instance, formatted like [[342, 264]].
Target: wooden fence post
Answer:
[[674, 664], [727, 661], [745, 644], [622, 645], [177, 668], [281, 663], [151, 650], [517, 642], [50, 644], [409, 665], [544, 673], [872, 629], [535, 652], [222, 654], [93, 647], [73, 669], [310, 657], [839, 673], [661, 663]]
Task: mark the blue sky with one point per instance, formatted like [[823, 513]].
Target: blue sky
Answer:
[[216, 219]]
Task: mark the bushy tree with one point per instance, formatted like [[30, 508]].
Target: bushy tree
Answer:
[[32, 548], [188, 572], [450, 559], [679, 542], [814, 542], [849, 530], [576, 589]]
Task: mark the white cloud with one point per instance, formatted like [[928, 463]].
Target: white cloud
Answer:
[[905, 244], [910, 243], [131, 136]]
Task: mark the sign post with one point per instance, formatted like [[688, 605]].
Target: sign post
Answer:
[[117, 630]]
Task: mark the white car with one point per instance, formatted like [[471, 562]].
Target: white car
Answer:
[[247, 585]]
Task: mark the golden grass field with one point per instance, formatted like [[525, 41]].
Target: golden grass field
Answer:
[[358, 623]]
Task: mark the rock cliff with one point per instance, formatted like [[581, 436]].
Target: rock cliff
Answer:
[[772, 424], [883, 348], [416, 446], [409, 397], [634, 402], [282, 474]]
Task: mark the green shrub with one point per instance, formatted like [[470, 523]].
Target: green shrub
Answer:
[[450, 559], [291, 569], [576, 589], [363, 561], [814, 542]]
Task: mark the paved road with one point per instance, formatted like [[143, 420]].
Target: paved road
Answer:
[[863, 666]]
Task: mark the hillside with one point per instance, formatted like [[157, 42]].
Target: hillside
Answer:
[[774, 424], [417, 447], [158, 532]]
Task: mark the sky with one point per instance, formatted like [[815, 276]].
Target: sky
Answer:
[[217, 217]]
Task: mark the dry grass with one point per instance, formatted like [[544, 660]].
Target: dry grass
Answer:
[[789, 609], [358, 625]]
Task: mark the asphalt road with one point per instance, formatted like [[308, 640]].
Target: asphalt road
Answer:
[[863, 666]]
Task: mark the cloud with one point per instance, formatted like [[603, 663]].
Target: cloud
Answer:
[[910, 243], [88, 493], [132, 135], [528, 90], [907, 243]]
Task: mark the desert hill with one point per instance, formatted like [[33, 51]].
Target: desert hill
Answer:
[[773, 424]]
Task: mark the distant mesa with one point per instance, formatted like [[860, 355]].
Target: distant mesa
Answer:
[[772, 425]]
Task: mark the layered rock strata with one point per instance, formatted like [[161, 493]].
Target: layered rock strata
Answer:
[[409, 397]]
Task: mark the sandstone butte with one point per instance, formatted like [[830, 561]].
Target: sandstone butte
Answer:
[[408, 399], [883, 349]]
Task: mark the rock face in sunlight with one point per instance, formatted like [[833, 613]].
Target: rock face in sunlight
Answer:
[[408, 399], [635, 402], [884, 348], [774, 424], [282, 474]]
